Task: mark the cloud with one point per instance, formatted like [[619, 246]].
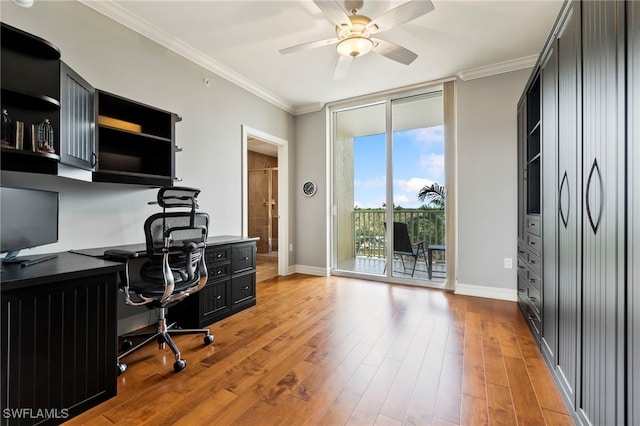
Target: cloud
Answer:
[[413, 185], [427, 135], [433, 164]]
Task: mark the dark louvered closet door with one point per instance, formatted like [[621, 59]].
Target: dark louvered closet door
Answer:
[[601, 396], [568, 198]]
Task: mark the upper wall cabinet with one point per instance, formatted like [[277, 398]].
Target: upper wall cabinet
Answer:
[[120, 140], [30, 95], [135, 142], [77, 120]]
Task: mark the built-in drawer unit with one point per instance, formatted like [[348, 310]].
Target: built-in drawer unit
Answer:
[[231, 284], [533, 225]]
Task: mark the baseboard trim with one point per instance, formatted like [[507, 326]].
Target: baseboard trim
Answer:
[[311, 270], [508, 294]]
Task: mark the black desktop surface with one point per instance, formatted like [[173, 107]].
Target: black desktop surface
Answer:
[[64, 266]]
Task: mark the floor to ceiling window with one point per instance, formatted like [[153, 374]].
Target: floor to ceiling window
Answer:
[[389, 189]]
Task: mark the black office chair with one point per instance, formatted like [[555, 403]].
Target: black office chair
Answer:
[[402, 246], [173, 268]]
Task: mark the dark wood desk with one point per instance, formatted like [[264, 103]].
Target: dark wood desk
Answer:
[[231, 282], [58, 337]]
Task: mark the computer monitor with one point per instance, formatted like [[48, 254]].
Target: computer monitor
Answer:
[[28, 218]]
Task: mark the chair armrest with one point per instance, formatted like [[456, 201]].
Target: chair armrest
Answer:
[[119, 255], [420, 243]]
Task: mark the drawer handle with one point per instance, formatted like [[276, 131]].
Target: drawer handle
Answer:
[[245, 258], [532, 280], [533, 299], [532, 262], [530, 224], [531, 243], [219, 255], [246, 287], [219, 271], [216, 298], [520, 267]]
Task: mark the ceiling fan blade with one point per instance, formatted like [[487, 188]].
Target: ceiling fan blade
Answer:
[[334, 12], [342, 67], [401, 14], [308, 46], [394, 52]]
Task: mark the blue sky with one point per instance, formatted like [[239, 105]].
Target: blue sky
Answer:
[[418, 160]]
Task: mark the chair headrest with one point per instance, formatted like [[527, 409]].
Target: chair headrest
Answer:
[[178, 196]]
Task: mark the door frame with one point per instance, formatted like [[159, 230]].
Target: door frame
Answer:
[[283, 191]]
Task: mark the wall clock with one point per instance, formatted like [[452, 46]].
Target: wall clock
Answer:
[[309, 188]]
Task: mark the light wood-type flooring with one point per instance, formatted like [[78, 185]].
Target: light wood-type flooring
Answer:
[[334, 351]]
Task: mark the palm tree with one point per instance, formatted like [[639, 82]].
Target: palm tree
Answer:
[[434, 194]]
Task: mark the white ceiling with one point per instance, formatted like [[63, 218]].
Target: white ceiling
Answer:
[[240, 40]]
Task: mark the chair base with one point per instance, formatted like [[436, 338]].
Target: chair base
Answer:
[[162, 335]]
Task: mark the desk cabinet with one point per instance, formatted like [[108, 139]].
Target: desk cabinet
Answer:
[[58, 335], [231, 285]]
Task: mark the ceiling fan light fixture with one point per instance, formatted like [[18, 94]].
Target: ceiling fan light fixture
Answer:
[[355, 46], [24, 3]]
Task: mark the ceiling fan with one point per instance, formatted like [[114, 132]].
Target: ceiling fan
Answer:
[[354, 32]]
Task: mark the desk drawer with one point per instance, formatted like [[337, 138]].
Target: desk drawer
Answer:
[[215, 272], [243, 288], [213, 298], [243, 257], [217, 254]]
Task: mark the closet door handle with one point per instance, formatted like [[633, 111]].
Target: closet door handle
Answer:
[[564, 186], [597, 193]]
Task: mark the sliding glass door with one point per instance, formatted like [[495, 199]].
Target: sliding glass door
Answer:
[[388, 189]]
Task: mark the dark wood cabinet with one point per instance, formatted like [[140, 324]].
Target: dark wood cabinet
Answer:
[[589, 212], [231, 284], [118, 139], [529, 202], [30, 82], [58, 336], [135, 142], [77, 120]]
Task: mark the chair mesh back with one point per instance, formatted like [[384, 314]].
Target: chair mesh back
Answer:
[[176, 225]]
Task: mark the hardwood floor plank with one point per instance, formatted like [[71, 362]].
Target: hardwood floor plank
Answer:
[[525, 402], [449, 397], [473, 411], [473, 376], [493, 362], [500, 405], [335, 351]]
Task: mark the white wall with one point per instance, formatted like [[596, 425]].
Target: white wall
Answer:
[[487, 191], [487, 187], [310, 242], [118, 60]]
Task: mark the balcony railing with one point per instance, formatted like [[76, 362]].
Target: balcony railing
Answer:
[[369, 229]]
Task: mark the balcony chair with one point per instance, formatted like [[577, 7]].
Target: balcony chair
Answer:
[[402, 246], [172, 269]]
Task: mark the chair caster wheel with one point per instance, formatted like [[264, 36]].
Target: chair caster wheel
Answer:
[[208, 339], [126, 344], [122, 367], [180, 365]]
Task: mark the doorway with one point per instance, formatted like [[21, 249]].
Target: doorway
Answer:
[[265, 200], [389, 168], [263, 206]]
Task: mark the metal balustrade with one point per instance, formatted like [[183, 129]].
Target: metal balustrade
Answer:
[[370, 235]]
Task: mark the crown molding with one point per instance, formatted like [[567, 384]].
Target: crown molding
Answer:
[[308, 108], [117, 13], [499, 68]]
